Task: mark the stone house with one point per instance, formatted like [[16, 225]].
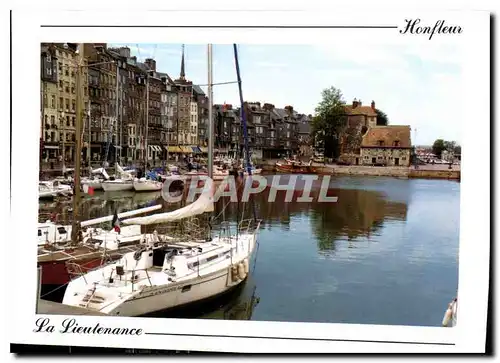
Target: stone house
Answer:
[[359, 119], [386, 145]]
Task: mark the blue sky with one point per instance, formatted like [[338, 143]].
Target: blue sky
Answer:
[[417, 86]]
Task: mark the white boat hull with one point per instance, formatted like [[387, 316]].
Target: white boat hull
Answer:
[[94, 184], [150, 297], [147, 185], [115, 185]]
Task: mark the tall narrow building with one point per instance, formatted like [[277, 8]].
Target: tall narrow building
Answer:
[[185, 93]]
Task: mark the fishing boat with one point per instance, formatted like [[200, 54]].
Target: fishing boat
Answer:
[[295, 167], [164, 274]]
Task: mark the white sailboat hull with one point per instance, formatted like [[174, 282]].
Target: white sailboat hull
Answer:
[[94, 184], [147, 185], [161, 294], [117, 185]]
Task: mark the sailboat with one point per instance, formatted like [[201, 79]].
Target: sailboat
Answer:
[[124, 182], [165, 274]]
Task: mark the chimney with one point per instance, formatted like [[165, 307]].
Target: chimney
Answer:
[[373, 105], [289, 109], [151, 63], [125, 52], [268, 106], [354, 103], [359, 103]]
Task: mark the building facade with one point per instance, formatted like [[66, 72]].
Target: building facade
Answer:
[[386, 145], [49, 132]]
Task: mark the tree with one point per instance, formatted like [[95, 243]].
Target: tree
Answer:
[[438, 147], [457, 150], [382, 119], [330, 121]]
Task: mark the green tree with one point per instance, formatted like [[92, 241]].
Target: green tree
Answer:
[[457, 150], [330, 121], [438, 147], [382, 119]]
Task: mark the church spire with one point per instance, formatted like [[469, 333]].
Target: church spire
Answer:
[[183, 74]]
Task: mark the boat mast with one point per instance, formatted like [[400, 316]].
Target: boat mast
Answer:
[[210, 114], [244, 122], [147, 120], [78, 154]]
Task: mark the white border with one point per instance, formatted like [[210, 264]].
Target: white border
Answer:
[[469, 335]]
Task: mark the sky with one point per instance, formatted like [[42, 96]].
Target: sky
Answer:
[[414, 85]]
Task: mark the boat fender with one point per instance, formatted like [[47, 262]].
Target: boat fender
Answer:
[[241, 271], [245, 265], [234, 273], [137, 255]]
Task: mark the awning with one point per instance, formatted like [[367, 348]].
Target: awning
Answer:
[[174, 149], [51, 147], [203, 149], [186, 149], [196, 149], [155, 147]]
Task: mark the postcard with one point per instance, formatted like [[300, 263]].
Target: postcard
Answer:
[[286, 182]]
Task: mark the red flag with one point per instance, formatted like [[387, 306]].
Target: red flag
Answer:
[[116, 222], [90, 191]]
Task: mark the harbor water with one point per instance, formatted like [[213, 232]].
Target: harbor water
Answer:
[[385, 253]]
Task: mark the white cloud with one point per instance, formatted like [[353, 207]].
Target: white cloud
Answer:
[[265, 64]]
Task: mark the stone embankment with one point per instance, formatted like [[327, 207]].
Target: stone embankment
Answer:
[[392, 171]]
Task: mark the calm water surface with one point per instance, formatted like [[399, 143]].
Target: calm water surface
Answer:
[[385, 253]]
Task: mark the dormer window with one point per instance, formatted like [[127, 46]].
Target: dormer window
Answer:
[[381, 143], [396, 143]]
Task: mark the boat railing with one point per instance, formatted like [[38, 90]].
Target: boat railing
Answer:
[[249, 225], [75, 270]]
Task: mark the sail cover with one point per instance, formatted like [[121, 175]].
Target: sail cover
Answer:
[[205, 203], [121, 172], [101, 171]]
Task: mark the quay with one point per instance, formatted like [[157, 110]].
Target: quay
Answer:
[[54, 308], [423, 172]]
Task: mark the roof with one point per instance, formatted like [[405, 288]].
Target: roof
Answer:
[[387, 134], [197, 89], [360, 110]]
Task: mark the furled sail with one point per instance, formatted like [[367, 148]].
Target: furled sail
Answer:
[[101, 171], [122, 173], [205, 203]]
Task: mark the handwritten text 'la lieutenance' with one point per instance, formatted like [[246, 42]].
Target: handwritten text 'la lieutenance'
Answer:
[[414, 26], [70, 326]]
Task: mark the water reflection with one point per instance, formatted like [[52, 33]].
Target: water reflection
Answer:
[[390, 242]]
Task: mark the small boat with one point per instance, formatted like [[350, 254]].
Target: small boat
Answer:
[[295, 167], [146, 185], [118, 185], [450, 315], [96, 180], [51, 189]]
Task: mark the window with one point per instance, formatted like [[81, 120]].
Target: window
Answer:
[[67, 103], [61, 84], [396, 143], [53, 101], [60, 68], [67, 120], [49, 71], [53, 120], [66, 71], [73, 105], [73, 121], [381, 143]]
